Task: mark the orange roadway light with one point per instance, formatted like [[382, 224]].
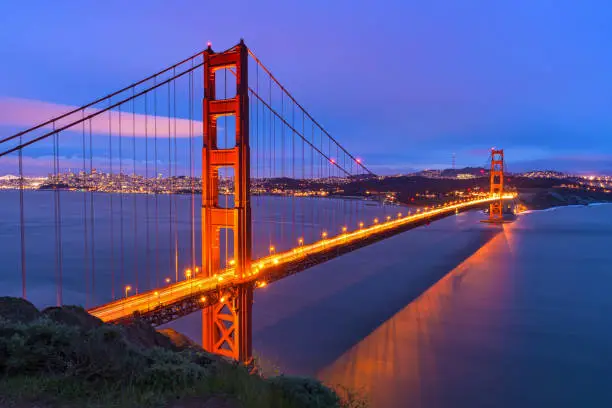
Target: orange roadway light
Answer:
[[324, 234], [361, 225], [343, 229], [127, 289], [375, 220], [232, 262], [203, 298], [222, 299], [272, 249]]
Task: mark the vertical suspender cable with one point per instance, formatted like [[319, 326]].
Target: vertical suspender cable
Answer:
[[22, 222], [58, 219], [293, 172], [134, 209], [270, 124], [121, 181], [92, 214], [303, 177], [156, 190], [55, 223], [312, 176], [110, 197], [176, 212], [283, 154], [191, 169], [257, 128], [171, 182], [147, 183], [270, 132], [85, 232]]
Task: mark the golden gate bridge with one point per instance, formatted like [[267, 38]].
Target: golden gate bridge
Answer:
[[215, 127]]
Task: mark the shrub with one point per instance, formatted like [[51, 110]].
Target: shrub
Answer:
[[65, 356], [305, 392]]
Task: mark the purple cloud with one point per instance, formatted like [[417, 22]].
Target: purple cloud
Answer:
[[25, 113]]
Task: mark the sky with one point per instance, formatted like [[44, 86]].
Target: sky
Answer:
[[402, 84]]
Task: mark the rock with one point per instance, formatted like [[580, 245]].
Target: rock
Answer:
[[179, 340], [72, 316], [18, 310], [144, 335]]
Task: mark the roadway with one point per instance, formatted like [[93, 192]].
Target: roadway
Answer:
[[209, 289]]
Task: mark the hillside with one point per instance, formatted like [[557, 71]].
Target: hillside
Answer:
[[64, 357]]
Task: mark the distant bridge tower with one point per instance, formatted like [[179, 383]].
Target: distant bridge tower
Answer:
[[226, 326], [497, 185]]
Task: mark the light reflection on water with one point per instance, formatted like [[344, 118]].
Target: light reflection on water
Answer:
[[524, 321], [399, 360]]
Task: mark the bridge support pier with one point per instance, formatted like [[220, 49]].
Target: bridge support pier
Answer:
[[227, 325]]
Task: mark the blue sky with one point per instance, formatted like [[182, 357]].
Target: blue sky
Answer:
[[403, 84]]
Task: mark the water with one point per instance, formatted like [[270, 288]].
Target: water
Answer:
[[518, 315], [457, 313], [141, 240]]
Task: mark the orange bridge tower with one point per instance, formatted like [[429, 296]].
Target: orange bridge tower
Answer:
[[497, 186], [226, 325]]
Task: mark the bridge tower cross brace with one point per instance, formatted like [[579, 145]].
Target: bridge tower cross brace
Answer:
[[226, 325], [497, 185]]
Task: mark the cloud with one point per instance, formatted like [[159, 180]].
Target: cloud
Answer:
[[25, 113]]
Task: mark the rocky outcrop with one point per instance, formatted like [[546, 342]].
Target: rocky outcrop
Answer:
[[72, 316], [18, 310], [179, 339]]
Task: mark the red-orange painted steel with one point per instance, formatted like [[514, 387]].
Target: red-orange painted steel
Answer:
[[497, 185], [226, 326]]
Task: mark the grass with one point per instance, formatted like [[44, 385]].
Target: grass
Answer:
[[85, 363], [64, 391]]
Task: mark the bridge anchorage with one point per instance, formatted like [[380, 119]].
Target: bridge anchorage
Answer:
[[291, 155]]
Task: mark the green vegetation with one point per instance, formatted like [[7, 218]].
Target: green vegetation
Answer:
[[66, 358]]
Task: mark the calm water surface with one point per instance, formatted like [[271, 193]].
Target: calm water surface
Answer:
[[520, 319], [455, 314]]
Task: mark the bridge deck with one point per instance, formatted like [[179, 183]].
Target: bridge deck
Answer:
[[181, 298]]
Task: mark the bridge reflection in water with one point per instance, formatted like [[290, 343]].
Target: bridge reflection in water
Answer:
[[402, 361]]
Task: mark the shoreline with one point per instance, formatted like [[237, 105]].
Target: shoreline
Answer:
[[557, 207]]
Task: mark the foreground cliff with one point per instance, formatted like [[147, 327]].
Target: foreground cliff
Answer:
[[63, 357]]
